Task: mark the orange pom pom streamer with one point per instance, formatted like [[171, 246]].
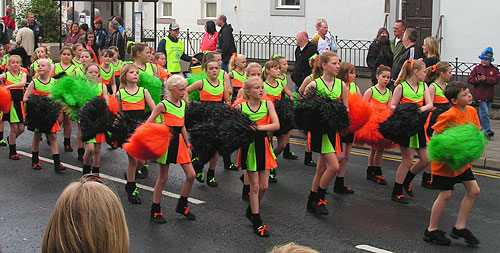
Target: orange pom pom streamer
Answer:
[[5, 100], [359, 112], [148, 142], [369, 133], [113, 105]]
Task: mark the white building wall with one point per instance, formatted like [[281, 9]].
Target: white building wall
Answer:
[[358, 19], [468, 28]]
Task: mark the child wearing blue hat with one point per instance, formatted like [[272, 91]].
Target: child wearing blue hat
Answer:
[[484, 76]]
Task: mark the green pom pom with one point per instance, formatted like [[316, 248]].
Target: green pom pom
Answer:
[[152, 84], [457, 146], [74, 92], [192, 78]]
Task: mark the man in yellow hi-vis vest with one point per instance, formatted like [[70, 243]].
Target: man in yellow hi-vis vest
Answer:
[[173, 48]]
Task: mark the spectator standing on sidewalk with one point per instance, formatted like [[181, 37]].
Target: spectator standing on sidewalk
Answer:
[[100, 33], [173, 48], [412, 51], [73, 35], [26, 38], [397, 46], [115, 38], [484, 76], [324, 39], [373, 54], [210, 38], [36, 27], [225, 45], [431, 51], [9, 22], [305, 50]]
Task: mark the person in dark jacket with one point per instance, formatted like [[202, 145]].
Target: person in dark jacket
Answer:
[[377, 54], [115, 39], [305, 49], [225, 45], [36, 27], [100, 33], [412, 51], [484, 76]]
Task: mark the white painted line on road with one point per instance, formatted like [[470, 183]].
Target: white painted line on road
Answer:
[[117, 180], [372, 249]]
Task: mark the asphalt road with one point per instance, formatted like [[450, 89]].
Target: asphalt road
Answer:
[[367, 217]]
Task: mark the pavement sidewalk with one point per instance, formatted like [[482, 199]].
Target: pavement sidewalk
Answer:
[[489, 160]]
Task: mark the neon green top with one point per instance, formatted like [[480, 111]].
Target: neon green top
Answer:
[[411, 96], [69, 70], [259, 114], [382, 98], [148, 69], [323, 91], [353, 88]]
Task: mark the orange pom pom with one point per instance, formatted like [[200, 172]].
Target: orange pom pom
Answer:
[[5, 100], [238, 101], [359, 112], [149, 141], [113, 105], [369, 133]]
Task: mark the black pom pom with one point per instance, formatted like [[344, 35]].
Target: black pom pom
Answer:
[[321, 116], [203, 137], [94, 118], [122, 128], [235, 131], [405, 122], [285, 110], [41, 113]]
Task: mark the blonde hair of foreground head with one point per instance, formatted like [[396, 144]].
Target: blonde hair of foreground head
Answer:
[[292, 248], [87, 217]]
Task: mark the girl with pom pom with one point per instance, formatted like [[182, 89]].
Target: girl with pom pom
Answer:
[[237, 73], [274, 90], [107, 71], [444, 176], [347, 73], [14, 82], [212, 89], [172, 111], [77, 50], [116, 64], [410, 88], [141, 53], [282, 79], [93, 146], [65, 67], [308, 161], [41, 85], [85, 59], [132, 102], [253, 70], [325, 86], [257, 158], [40, 53], [379, 96], [438, 76]]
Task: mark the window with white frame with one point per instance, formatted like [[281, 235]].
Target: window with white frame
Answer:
[[288, 7], [166, 10], [288, 4], [210, 9]]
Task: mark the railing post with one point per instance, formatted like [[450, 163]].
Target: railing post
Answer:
[[270, 38], [456, 68], [239, 42], [187, 38]]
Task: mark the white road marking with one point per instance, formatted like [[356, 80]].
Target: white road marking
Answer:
[[117, 180], [372, 249]]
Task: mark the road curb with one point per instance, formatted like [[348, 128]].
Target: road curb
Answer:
[[490, 163]]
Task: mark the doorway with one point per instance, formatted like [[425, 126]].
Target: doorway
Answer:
[[418, 15]]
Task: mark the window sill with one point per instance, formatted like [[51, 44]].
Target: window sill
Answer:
[[202, 21], [165, 20]]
